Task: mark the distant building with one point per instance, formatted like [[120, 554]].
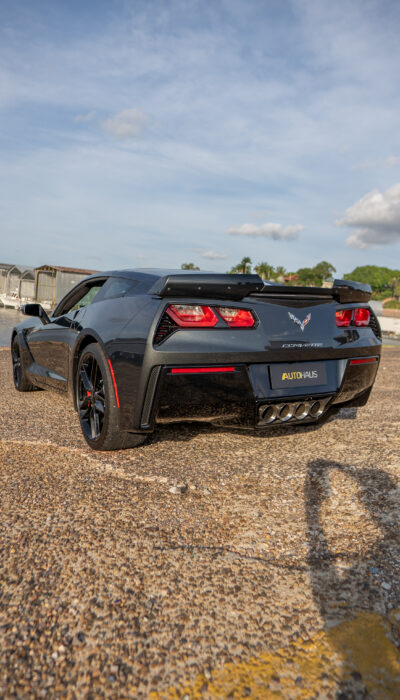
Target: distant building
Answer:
[[4, 268], [291, 279], [53, 282], [15, 279], [27, 285], [14, 276]]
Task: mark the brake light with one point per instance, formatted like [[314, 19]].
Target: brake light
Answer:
[[192, 315], [236, 318], [343, 317], [361, 317]]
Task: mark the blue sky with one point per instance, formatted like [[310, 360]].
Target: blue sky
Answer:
[[138, 134]]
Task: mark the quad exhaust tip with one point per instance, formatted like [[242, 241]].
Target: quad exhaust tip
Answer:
[[292, 411]]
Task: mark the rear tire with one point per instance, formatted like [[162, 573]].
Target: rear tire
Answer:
[[97, 405], [21, 381]]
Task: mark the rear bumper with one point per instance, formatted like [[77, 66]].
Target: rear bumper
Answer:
[[243, 394]]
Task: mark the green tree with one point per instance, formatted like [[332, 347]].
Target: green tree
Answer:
[[280, 273], [189, 266], [324, 270], [380, 278], [264, 270], [307, 277], [246, 264], [396, 287], [244, 267], [317, 275]]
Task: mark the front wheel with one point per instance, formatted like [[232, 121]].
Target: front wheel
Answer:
[[21, 381], [97, 404]]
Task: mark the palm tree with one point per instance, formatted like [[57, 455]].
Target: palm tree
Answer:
[[280, 273], [264, 270], [245, 265]]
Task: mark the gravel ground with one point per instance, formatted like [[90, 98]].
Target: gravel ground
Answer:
[[205, 563]]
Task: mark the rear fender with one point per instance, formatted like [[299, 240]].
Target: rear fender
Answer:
[[87, 337]]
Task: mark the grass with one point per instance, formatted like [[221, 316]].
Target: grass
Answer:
[[392, 304]]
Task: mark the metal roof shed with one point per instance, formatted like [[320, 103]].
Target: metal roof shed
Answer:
[[53, 282], [27, 285], [14, 275], [4, 268]]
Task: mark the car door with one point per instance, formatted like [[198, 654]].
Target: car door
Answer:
[[52, 344]]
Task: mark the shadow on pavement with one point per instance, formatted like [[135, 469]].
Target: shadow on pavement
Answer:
[[185, 431], [357, 589]]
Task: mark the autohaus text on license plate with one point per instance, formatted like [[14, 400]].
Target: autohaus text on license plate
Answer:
[[293, 375]]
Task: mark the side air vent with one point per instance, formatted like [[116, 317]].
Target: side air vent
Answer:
[[165, 327], [148, 402], [374, 324]]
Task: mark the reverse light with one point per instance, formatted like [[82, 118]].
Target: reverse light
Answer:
[[192, 315], [343, 317], [236, 318], [361, 317]]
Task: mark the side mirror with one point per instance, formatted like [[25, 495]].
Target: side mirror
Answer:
[[35, 310]]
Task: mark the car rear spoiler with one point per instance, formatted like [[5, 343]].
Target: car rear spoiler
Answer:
[[237, 287], [343, 291], [207, 285]]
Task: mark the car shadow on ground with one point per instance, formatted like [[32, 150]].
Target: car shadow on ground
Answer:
[[186, 430], [357, 587]]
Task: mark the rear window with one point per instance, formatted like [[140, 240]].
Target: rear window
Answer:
[[116, 287]]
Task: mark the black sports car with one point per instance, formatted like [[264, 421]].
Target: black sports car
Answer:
[[136, 348]]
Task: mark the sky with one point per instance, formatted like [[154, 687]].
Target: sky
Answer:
[[148, 133]]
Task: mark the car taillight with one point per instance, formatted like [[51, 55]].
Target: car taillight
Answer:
[[192, 315], [236, 318], [343, 317], [361, 317]]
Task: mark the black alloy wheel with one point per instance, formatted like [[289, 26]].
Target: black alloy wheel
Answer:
[[96, 404], [16, 363], [21, 381], [91, 398]]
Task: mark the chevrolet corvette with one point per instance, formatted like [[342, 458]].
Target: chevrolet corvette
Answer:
[[139, 348]]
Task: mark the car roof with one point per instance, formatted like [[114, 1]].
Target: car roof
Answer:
[[150, 274]]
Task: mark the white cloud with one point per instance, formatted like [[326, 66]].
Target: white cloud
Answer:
[[125, 125], [209, 159], [213, 255], [392, 161], [389, 162], [85, 117], [269, 230], [375, 218], [366, 165]]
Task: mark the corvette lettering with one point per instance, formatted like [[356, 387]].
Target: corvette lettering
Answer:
[[287, 376], [302, 345]]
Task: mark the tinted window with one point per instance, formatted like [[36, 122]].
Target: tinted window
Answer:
[[117, 287], [87, 298], [83, 296]]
